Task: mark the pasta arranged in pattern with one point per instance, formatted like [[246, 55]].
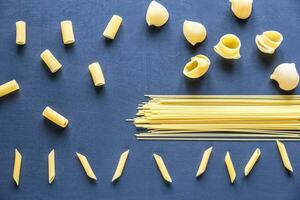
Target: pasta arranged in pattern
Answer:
[[162, 168], [204, 161], [120, 166]]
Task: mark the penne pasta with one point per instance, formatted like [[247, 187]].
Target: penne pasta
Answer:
[[204, 161], [20, 32], [162, 168], [97, 74], [121, 165], [284, 156], [229, 47], [55, 117], [112, 27], [86, 166], [67, 32], [9, 87], [51, 166], [50, 61], [230, 167], [17, 167], [252, 161]]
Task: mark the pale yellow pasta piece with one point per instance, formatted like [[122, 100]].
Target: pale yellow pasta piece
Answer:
[[229, 47], [162, 168], [157, 15], [194, 32], [230, 167], [51, 166], [204, 161], [286, 76], [9, 87], [284, 156], [197, 67], [268, 41], [97, 74], [86, 166], [17, 167], [252, 161], [242, 9], [121, 165], [55, 117], [112, 27], [20, 32], [50, 61], [67, 32]]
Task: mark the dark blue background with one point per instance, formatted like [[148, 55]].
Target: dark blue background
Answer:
[[140, 60]]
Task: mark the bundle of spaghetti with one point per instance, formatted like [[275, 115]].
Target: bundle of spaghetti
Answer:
[[219, 117]]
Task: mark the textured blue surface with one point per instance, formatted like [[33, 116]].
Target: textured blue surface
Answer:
[[140, 60]]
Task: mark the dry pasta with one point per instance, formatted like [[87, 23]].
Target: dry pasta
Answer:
[[229, 47], [52, 63], [121, 165], [252, 161], [162, 168], [241, 8], [194, 32], [284, 156], [204, 161], [9, 87], [268, 41], [97, 74], [55, 117], [197, 67], [157, 15], [230, 167], [67, 32], [86, 166], [20, 32], [112, 27], [286, 76], [51, 166], [17, 167]]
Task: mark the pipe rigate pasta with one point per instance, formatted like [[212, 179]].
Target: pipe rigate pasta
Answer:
[[242, 9], [55, 117], [194, 32], [229, 47], [20, 32], [50, 61], [112, 27], [286, 76], [252, 161], [67, 32], [196, 67], [230, 167], [162, 168], [268, 41], [157, 15], [97, 74], [9, 87], [204, 161], [17, 167]]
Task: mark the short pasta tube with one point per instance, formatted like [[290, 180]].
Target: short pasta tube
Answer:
[[55, 117], [112, 27], [97, 74], [51, 166], [121, 165], [17, 167], [49, 59], [9, 87], [230, 167], [162, 168], [252, 161], [284, 156], [86, 166], [228, 47], [20, 32], [67, 32], [204, 161]]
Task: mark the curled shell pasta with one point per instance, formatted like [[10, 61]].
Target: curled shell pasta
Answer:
[[194, 32], [242, 9], [286, 75], [268, 41], [157, 14], [197, 67], [228, 47]]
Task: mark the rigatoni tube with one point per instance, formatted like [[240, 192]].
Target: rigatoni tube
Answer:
[[97, 74], [112, 27], [50, 61], [9, 87], [20, 32], [67, 32], [55, 117]]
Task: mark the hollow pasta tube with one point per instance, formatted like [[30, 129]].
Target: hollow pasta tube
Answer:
[[252, 161], [55, 117], [284, 156], [86, 166], [49, 59], [17, 167], [204, 161], [121, 165], [51, 166], [20, 32], [162, 168], [9, 87], [230, 167], [97, 74], [67, 32], [112, 27]]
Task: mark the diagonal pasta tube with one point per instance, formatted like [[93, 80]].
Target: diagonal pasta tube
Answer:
[[51, 166], [204, 161], [55, 117], [120, 166], [230, 167], [86, 166], [162, 168], [17, 167], [284, 156], [9, 87], [252, 161]]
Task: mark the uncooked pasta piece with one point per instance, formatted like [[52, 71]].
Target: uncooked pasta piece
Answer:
[[67, 32], [241, 8], [9, 87], [230, 167], [194, 32], [162, 168], [284, 156], [252, 161], [55, 117], [197, 67], [286, 75], [229, 47], [50, 61], [17, 167], [121, 165], [51, 166], [86, 166], [204, 161], [20, 32], [112, 27], [157, 15], [97, 74], [268, 41]]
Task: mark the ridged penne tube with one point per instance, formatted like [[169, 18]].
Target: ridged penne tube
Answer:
[[9, 87], [229, 47], [51, 166], [197, 67], [268, 41], [230, 167], [17, 167], [20, 32], [50, 61], [97, 74], [204, 161], [55, 117], [284, 156], [121, 165], [67, 32], [112, 27], [242, 9], [194, 32], [157, 15], [252, 161], [86, 166], [162, 168]]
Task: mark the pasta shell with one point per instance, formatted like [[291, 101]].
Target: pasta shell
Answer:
[[268, 41], [157, 14], [286, 75], [242, 9], [197, 67], [229, 47], [194, 32]]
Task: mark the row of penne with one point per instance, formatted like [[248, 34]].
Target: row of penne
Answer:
[[160, 164]]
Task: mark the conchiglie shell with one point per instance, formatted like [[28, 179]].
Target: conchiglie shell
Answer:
[[242, 9], [268, 41], [194, 32], [286, 76], [197, 67], [229, 47], [157, 14]]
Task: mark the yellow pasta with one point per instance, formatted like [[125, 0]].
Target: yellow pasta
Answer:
[[194, 32], [112, 27], [17, 167], [52, 63], [252, 161], [157, 15], [284, 156], [241, 8], [268, 41], [230, 167], [204, 161], [55, 117], [67, 32], [86, 166], [97, 74], [51, 166], [162, 168], [197, 67], [20, 32], [9, 87], [121, 165], [229, 47]]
